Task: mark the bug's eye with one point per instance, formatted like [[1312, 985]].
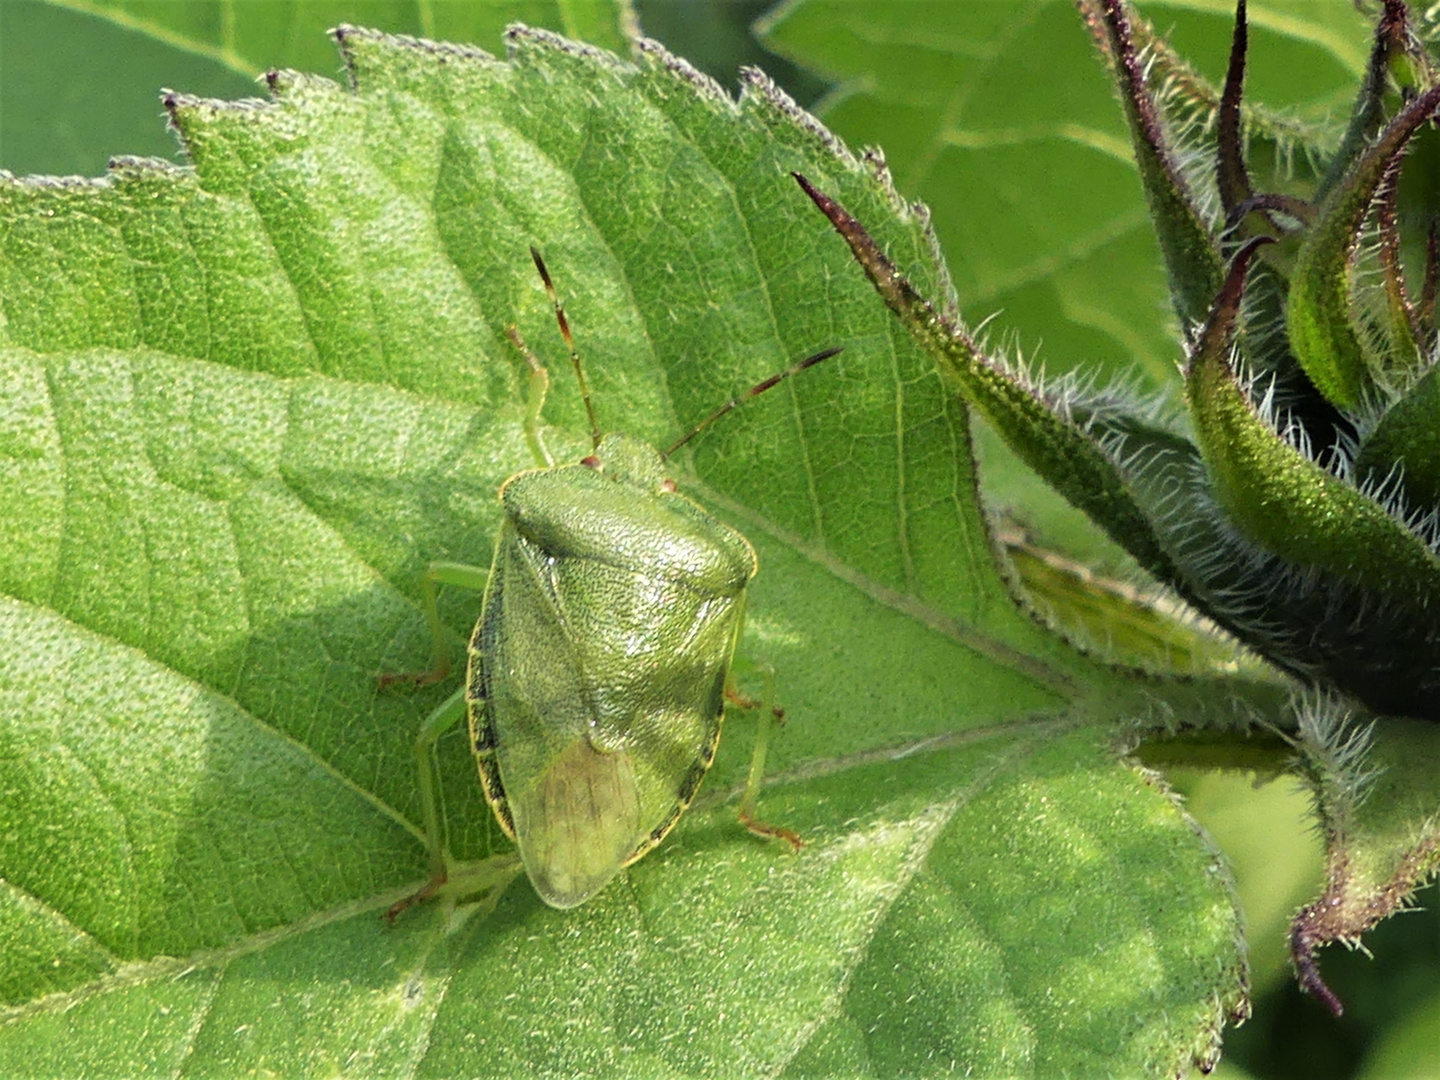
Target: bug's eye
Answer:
[[591, 461], [668, 486]]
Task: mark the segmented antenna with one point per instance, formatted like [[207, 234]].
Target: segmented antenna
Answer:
[[755, 391], [570, 343]]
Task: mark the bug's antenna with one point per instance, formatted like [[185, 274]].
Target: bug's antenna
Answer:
[[755, 391], [570, 343]]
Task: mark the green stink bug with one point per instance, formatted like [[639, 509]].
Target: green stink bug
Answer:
[[599, 669]]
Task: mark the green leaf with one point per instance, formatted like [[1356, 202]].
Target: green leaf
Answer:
[[1146, 627], [79, 78], [245, 405]]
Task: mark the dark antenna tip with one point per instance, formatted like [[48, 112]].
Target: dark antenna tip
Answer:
[[755, 391], [540, 266], [564, 324]]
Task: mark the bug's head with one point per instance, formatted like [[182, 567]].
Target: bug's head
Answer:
[[630, 461], [618, 456]]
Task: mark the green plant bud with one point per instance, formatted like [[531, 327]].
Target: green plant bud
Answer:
[[1322, 331], [1406, 444], [1192, 260], [1276, 495]]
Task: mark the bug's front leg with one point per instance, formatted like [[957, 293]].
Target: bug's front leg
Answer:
[[436, 574], [768, 714]]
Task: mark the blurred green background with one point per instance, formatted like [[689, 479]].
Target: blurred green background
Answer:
[[79, 83]]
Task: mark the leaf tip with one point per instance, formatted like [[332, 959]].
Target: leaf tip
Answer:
[[1231, 174], [1214, 337], [1304, 944], [888, 282]]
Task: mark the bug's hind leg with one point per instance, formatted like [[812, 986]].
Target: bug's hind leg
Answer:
[[444, 717], [488, 875], [768, 714]]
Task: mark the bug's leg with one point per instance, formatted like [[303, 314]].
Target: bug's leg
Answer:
[[768, 715], [444, 717], [490, 875], [436, 574], [538, 387]]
